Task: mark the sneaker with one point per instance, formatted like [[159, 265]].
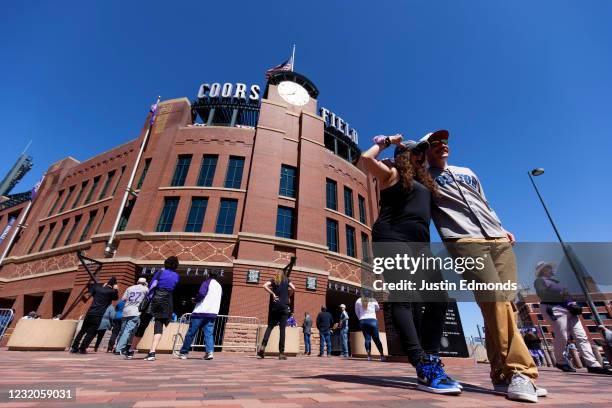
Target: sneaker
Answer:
[[432, 377], [95, 349], [503, 388], [282, 356], [369, 358], [521, 388], [383, 359], [208, 356], [82, 351], [116, 353], [181, 356], [448, 377], [73, 350], [150, 357], [260, 353], [128, 354], [600, 370], [566, 368], [320, 355]]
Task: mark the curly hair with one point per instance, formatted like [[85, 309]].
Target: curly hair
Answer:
[[407, 173]]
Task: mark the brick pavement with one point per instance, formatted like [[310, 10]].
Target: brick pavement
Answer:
[[239, 380]]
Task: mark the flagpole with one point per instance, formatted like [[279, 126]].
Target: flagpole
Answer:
[[293, 59], [19, 225], [108, 251]]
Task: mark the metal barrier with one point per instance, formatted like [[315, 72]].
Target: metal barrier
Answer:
[[6, 317], [230, 333]]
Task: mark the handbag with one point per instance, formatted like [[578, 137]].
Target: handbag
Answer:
[[144, 305]]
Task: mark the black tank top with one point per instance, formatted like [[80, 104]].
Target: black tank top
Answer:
[[404, 214]]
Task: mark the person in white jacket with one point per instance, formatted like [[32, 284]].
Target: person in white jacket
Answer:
[[204, 315], [366, 308]]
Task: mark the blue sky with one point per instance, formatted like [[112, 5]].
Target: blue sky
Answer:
[[518, 84]]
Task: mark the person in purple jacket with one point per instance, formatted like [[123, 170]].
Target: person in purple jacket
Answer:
[[204, 315], [160, 307]]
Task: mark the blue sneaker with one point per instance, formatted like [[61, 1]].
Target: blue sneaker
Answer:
[[448, 377], [433, 378]]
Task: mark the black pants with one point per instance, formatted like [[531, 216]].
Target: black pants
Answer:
[[277, 316], [419, 326], [88, 329], [114, 333], [99, 338], [158, 325]]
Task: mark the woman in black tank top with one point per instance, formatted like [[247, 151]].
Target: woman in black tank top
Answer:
[[403, 227]]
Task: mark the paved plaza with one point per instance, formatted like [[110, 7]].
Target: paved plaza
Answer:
[[240, 380]]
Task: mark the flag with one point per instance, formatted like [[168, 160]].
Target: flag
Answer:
[[153, 112], [285, 66], [36, 187], [7, 229]]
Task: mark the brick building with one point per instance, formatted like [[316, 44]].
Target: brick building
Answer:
[[232, 181]]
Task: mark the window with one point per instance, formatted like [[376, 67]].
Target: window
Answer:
[[81, 191], [119, 180], [92, 217], [60, 233], [77, 220], [365, 247], [540, 317], [226, 217], [109, 180], [350, 241], [362, 210], [348, 201], [145, 169], [59, 197], [181, 170], [233, 178], [125, 215], [207, 170], [104, 211], [96, 180], [593, 329], [44, 241], [166, 218], [40, 230], [196, 214], [70, 191], [332, 235], [285, 223], [287, 181], [331, 194]]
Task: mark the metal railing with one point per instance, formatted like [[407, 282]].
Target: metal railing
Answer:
[[6, 317], [230, 333]]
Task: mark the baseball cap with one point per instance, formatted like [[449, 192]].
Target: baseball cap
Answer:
[[142, 280], [412, 146], [343, 306], [541, 265], [438, 134]]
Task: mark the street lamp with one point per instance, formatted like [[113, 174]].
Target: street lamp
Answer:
[[579, 276]]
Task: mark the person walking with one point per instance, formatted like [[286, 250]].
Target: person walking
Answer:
[[307, 329], [291, 322], [344, 330], [471, 229], [204, 315], [130, 317], [563, 315], [105, 324], [402, 227], [324, 325], [365, 309], [160, 307], [280, 289], [102, 296], [115, 326]]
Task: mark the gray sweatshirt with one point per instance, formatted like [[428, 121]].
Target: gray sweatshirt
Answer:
[[462, 210]]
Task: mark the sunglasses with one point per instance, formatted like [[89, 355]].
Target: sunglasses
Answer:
[[434, 143]]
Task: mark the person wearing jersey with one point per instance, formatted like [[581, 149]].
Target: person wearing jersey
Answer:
[[130, 319]]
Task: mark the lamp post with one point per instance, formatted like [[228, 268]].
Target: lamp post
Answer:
[[579, 276]]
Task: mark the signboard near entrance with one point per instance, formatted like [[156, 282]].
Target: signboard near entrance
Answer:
[[452, 343]]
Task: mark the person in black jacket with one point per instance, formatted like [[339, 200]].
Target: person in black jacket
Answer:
[[324, 324], [103, 296]]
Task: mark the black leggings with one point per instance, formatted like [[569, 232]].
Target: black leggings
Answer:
[[158, 325], [277, 316], [419, 326]]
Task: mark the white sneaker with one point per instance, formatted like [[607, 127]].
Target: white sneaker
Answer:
[[521, 388], [208, 356]]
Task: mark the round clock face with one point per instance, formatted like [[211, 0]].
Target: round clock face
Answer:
[[293, 93]]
